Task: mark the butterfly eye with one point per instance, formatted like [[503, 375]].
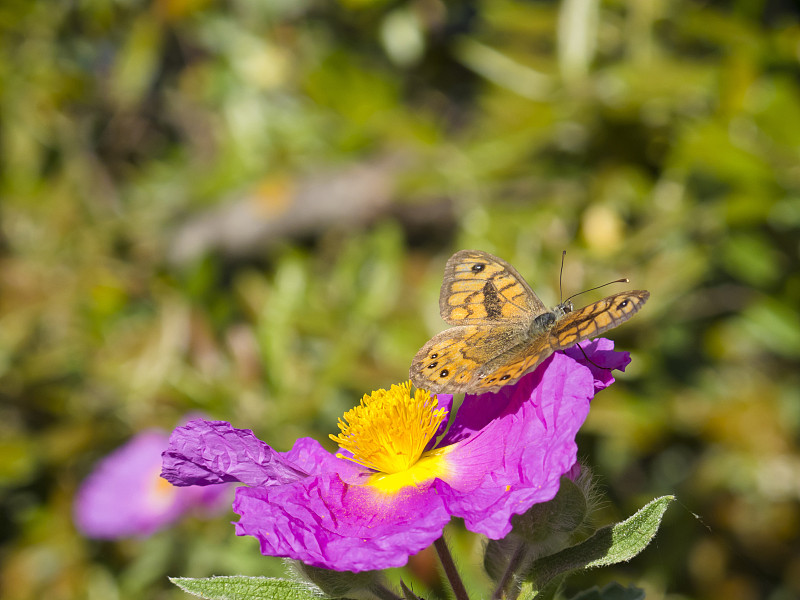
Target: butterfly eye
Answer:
[[433, 365], [435, 355], [444, 373], [504, 377], [622, 304], [478, 268]]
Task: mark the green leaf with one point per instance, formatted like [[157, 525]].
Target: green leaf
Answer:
[[608, 546], [528, 591], [613, 591], [239, 587]]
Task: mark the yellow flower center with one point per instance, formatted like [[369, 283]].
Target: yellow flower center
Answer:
[[389, 430], [160, 492]]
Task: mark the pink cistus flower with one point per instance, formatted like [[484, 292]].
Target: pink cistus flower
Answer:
[[391, 488], [124, 495]]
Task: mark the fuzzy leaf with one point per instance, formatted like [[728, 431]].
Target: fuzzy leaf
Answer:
[[528, 591], [239, 587], [608, 546]]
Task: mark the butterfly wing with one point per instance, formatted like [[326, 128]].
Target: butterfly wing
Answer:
[[596, 318], [574, 327], [512, 365], [451, 361], [479, 288]]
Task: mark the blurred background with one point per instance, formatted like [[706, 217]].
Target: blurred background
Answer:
[[243, 209]]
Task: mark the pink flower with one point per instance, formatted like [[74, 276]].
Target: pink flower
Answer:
[[390, 490], [124, 495]]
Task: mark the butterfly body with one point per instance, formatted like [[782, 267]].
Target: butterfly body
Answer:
[[501, 330], [546, 320]]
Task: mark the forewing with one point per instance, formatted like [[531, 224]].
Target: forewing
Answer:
[[596, 318], [451, 361], [572, 328], [479, 288]]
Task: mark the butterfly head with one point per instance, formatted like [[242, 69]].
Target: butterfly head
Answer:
[[563, 308]]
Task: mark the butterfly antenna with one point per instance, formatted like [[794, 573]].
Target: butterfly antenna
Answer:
[[560, 277], [623, 280]]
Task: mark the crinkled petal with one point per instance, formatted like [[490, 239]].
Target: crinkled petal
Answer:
[[521, 454], [600, 352], [210, 452], [327, 523], [309, 455], [474, 414], [503, 453]]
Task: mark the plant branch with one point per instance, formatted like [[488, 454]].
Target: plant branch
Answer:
[[513, 564], [450, 570]]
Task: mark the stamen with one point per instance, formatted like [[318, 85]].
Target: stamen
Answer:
[[389, 430]]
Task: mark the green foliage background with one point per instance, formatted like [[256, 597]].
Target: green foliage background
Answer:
[[244, 208]]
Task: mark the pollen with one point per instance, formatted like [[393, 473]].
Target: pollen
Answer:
[[388, 430]]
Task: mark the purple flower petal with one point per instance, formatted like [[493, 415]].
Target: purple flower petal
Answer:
[[477, 411], [325, 522], [209, 452], [601, 352], [503, 452], [309, 455], [524, 450], [124, 496]]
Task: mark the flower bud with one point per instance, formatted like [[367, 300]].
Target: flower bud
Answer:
[[498, 554], [549, 524]]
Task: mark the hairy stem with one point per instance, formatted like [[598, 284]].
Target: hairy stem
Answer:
[[450, 570], [513, 564]]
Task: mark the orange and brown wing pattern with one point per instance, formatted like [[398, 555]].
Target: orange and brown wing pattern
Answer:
[[495, 340], [450, 362], [512, 365], [572, 328], [596, 318], [479, 288]]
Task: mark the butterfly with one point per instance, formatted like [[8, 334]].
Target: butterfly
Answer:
[[501, 329]]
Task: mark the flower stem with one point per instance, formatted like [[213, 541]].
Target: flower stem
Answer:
[[513, 564], [384, 593], [449, 566]]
